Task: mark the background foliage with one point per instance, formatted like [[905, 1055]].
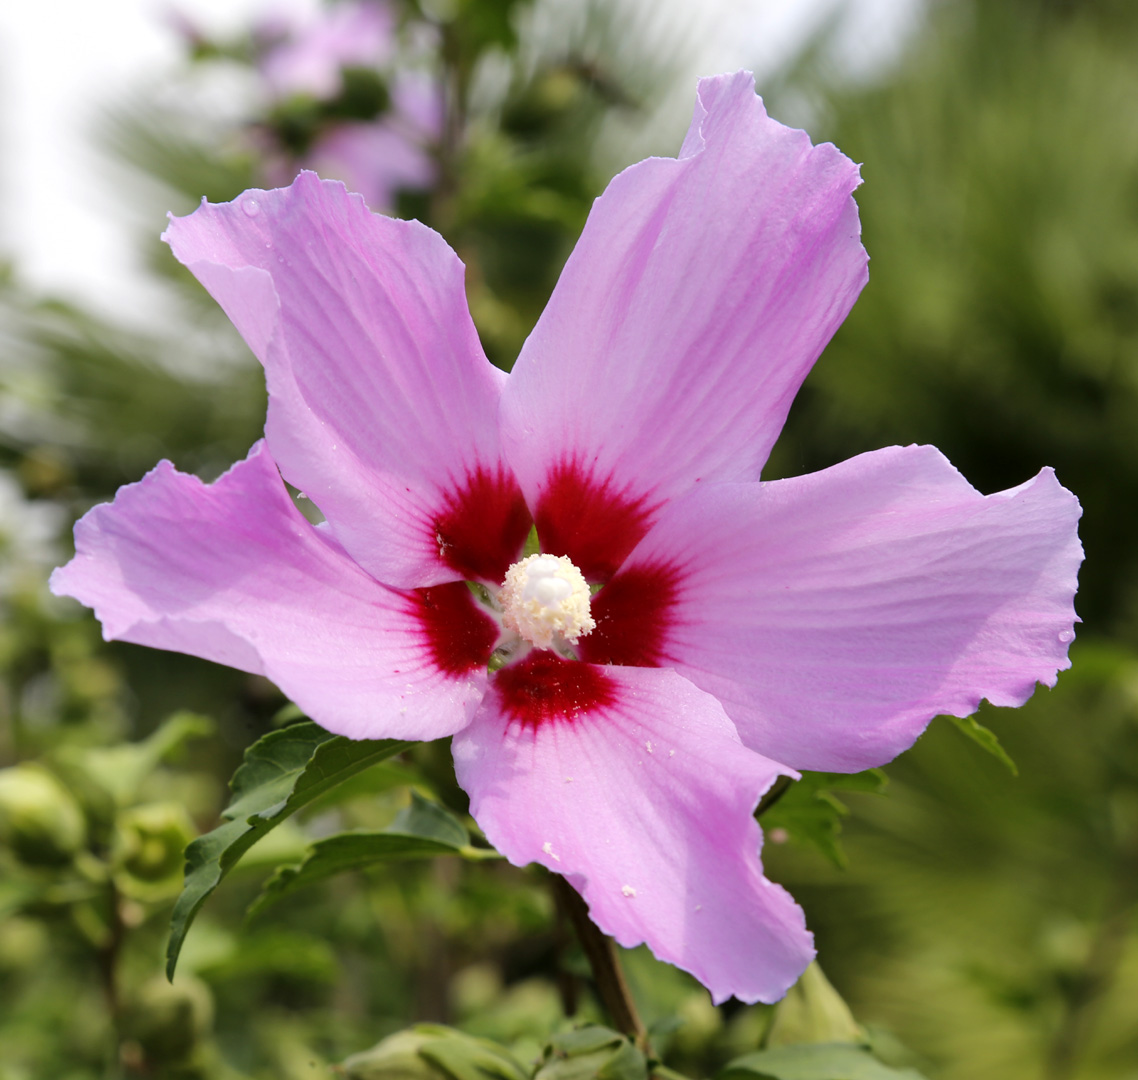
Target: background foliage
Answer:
[[978, 924]]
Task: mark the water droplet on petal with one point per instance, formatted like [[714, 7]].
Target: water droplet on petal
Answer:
[[1066, 636], [251, 207]]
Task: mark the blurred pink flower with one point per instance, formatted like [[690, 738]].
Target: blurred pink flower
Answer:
[[307, 56], [741, 630], [378, 157], [383, 157]]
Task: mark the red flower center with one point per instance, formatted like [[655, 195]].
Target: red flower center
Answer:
[[481, 532]]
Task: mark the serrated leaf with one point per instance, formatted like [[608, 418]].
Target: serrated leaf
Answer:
[[821, 1061], [812, 815], [419, 831], [371, 782], [986, 738], [281, 772]]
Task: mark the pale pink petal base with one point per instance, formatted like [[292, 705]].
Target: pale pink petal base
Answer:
[[646, 806], [835, 614], [232, 572]]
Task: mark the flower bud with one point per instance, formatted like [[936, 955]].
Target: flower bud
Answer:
[[149, 849], [813, 1012], [169, 1020], [39, 819]]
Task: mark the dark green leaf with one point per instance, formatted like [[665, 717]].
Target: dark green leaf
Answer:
[[485, 23], [812, 815], [821, 1061], [985, 738], [419, 831], [281, 773]]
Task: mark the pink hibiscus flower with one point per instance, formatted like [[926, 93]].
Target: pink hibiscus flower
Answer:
[[621, 736], [380, 158], [307, 55]]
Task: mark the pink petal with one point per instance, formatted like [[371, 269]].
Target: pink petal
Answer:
[[232, 572], [698, 297], [382, 405], [835, 614], [634, 785]]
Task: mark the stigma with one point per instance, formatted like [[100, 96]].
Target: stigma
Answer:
[[545, 597]]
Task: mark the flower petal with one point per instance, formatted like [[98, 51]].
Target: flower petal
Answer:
[[698, 297], [382, 405], [231, 571], [835, 614], [634, 785]]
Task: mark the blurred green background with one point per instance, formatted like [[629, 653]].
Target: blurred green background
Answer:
[[982, 926]]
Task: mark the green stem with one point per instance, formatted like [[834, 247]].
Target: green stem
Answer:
[[600, 951], [1095, 980]]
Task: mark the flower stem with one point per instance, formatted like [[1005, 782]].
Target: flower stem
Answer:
[[600, 951]]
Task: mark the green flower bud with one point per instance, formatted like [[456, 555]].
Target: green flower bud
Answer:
[[39, 819], [149, 849], [433, 1052], [813, 1012], [592, 1052], [169, 1020], [24, 944]]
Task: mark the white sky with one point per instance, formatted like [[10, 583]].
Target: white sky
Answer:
[[61, 60]]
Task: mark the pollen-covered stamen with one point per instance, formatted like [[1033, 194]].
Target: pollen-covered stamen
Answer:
[[545, 597]]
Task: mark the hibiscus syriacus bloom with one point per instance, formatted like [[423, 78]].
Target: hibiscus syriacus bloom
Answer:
[[307, 55], [619, 702], [380, 158]]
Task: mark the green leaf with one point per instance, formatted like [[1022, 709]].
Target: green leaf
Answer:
[[472, 1059], [120, 770], [811, 814], [986, 738], [281, 773], [822, 1061], [283, 954], [419, 831], [433, 1052], [15, 895], [591, 1053]]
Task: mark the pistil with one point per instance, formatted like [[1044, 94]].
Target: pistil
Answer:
[[545, 599]]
